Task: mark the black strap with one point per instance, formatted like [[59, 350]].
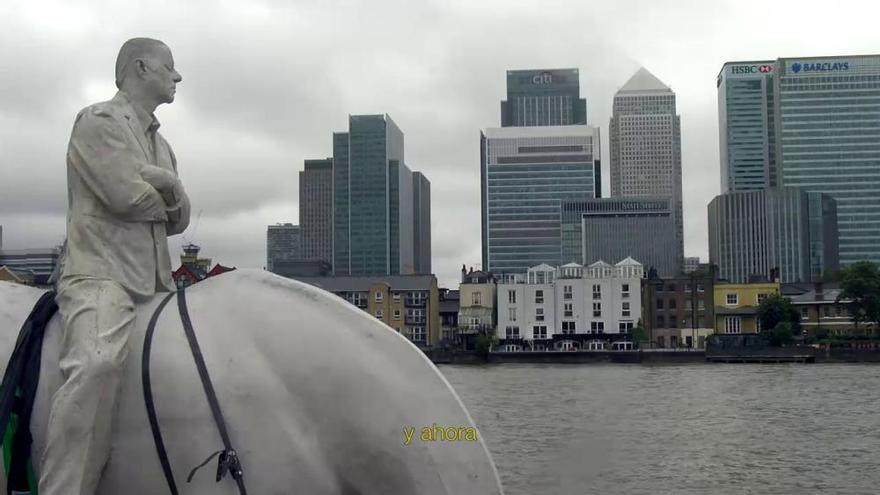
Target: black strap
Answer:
[[148, 397], [228, 458]]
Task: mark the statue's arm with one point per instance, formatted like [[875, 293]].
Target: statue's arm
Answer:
[[108, 165], [178, 214]]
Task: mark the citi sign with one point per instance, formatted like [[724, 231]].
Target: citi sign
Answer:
[[819, 67], [751, 69], [543, 78]]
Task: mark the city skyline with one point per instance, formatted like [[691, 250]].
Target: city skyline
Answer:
[[271, 115]]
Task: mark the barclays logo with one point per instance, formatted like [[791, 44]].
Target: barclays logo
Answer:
[[797, 67]]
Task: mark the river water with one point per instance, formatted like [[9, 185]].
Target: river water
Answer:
[[692, 429]]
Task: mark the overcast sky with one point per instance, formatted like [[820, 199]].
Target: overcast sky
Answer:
[[266, 83]]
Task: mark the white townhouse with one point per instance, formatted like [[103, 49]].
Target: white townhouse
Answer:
[[571, 307]]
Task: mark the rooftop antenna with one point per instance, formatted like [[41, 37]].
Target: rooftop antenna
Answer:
[[195, 228]]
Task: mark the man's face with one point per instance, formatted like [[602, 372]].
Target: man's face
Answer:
[[161, 77]]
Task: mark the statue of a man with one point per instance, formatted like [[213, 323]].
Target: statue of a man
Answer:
[[124, 200]]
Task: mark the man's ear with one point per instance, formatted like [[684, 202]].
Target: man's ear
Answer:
[[140, 66]]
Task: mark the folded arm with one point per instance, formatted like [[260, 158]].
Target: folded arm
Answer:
[[109, 166]]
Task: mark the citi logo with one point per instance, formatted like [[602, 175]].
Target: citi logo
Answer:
[[543, 78]]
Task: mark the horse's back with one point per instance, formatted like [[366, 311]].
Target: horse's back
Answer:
[[316, 395]]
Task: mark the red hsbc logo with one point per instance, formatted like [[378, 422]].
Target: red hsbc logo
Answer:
[[765, 68], [751, 69]]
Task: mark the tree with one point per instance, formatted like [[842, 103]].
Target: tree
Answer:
[[639, 334], [860, 285], [781, 334], [777, 309]]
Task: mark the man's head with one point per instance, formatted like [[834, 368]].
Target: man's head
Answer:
[[145, 68]]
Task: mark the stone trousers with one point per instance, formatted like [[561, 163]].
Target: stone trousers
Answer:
[[98, 317]]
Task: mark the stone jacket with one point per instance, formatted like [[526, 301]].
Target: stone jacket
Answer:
[[117, 222]]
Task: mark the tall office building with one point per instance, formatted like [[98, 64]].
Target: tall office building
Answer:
[[822, 127], [613, 229], [746, 126], [784, 230], [282, 246], [373, 210], [316, 209], [526, 174], [543, 97], [422, 227], [646, 146]]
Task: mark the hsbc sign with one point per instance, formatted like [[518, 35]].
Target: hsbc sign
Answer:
[[751, 69]]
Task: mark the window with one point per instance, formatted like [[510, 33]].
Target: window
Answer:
[[688, 305], [659, 303], [826, 312], [661, 321], [511, 296], [687, 286], [395, 296], [700, 288], [539, 314], [568, 327], [597, 326], [396, 314], [672, 304], [359, 299], [805, 313], [568, 311], [597, 291], [418, 334], [597, 310], [378, 296], [566, 292], [511, 314], [625, 309], [761, 298], [539, 297], [379, 314], [539, 332], [625, 326], [732, 324], [512, 332], [701, 305], [838, 310], [476, 299], [732, 299]]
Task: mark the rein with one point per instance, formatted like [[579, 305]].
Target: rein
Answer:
[[228, 458]]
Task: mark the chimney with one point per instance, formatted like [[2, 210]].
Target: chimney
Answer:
[[819, 290], [463, 272]]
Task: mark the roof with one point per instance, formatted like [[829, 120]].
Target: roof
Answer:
[[549, 131], [573, 265], [643, 81], [543, 267], [363, 284], [828, 295], [599, 264], [628, 261]]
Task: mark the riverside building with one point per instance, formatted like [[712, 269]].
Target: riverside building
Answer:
[[570, 307]]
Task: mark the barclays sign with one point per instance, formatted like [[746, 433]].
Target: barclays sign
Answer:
[[809, 67]]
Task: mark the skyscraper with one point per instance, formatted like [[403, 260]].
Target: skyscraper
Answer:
[[422, 219], [526, 174], [316, 209], [784, 229], [746, 126], [282, 247], [543, 97], [819, 120], [373, 211], [646, 145]]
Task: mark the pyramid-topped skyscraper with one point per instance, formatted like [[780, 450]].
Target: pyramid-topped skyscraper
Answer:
[[646, 145]]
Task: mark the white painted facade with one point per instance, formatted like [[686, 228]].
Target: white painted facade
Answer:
[[600, 299]]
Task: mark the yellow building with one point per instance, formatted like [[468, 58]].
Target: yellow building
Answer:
[[409, 304], [736, 305], [477, 294]]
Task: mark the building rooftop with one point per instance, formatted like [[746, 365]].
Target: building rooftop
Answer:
[[643, 81], [363, 284], [540, 131]]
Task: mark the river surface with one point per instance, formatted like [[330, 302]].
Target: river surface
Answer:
[[692, 429]]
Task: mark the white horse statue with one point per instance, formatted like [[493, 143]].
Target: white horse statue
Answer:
[[319, 397]]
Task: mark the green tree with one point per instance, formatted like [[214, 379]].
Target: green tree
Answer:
[[860, 285], [639, 334], [484, 344], [777, 309], [781, 334]]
